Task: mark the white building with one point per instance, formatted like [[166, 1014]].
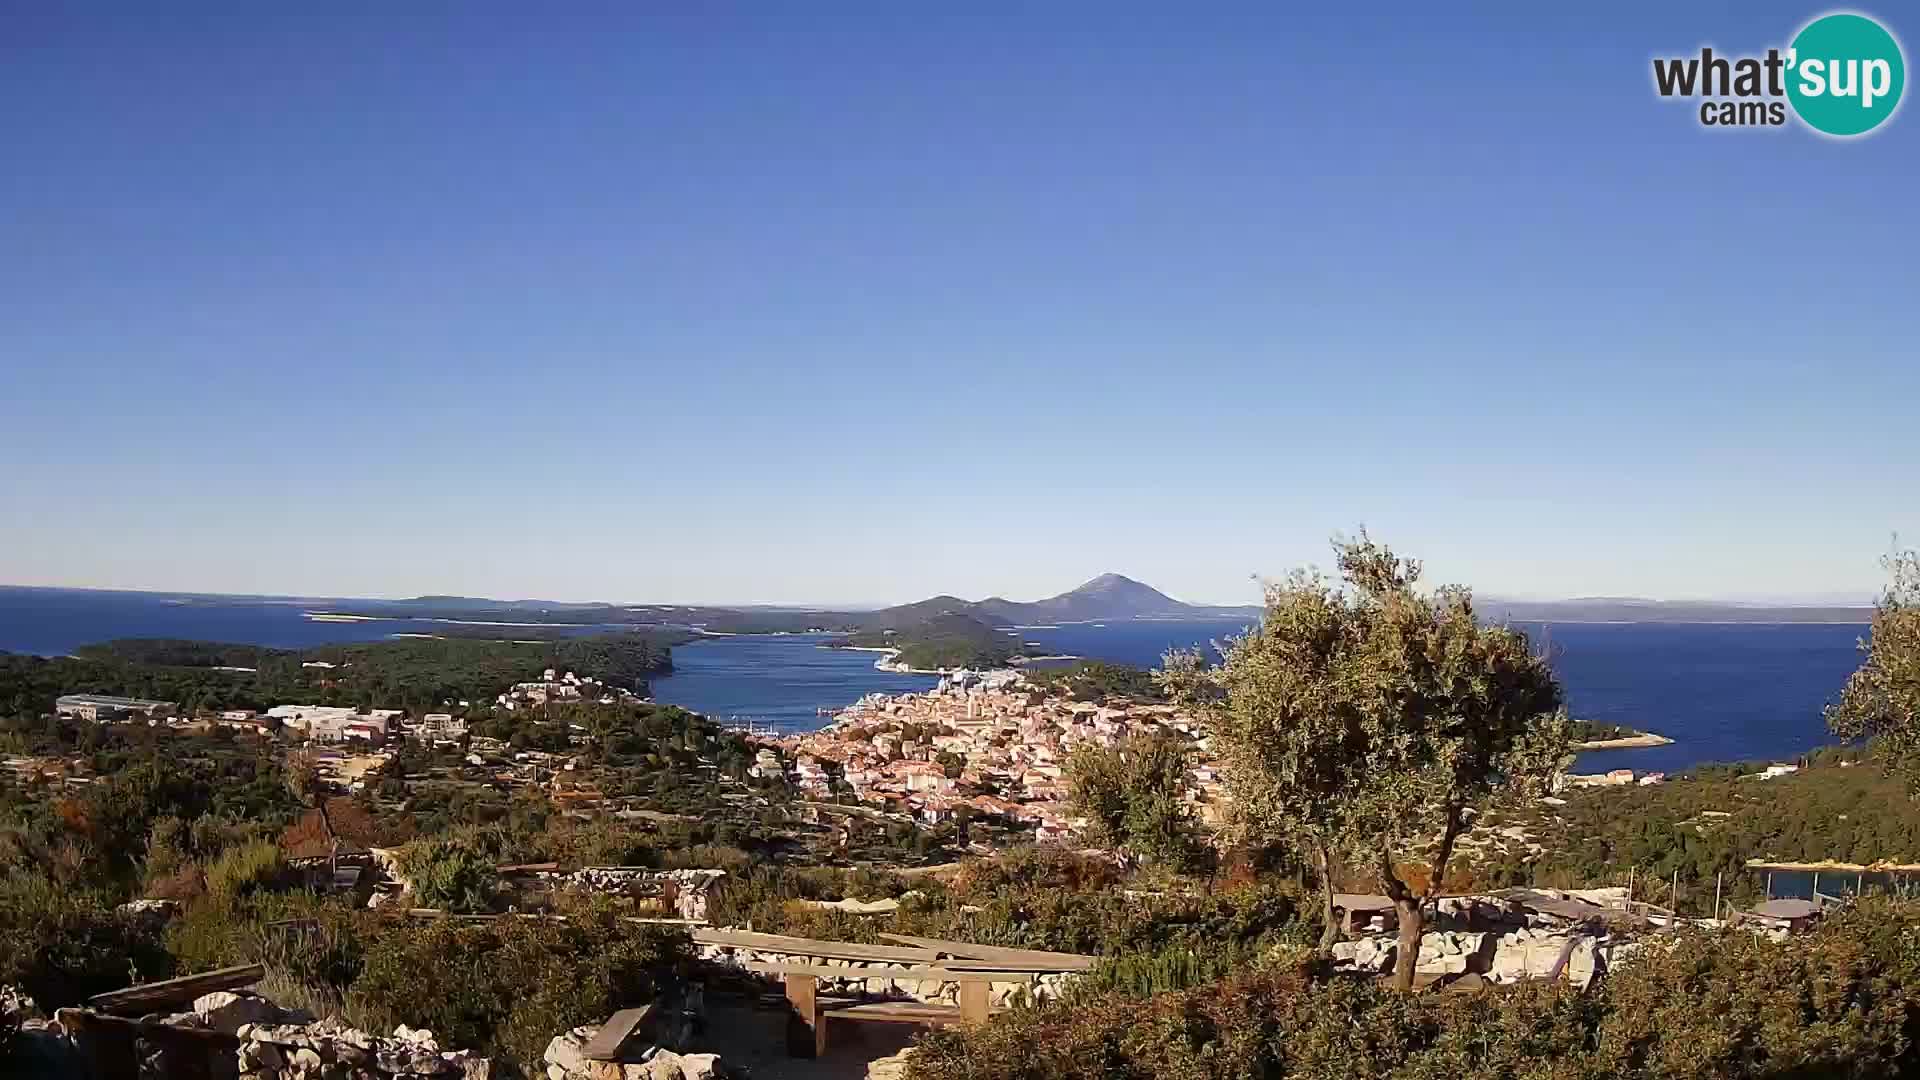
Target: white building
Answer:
[[329, 723], [440, 728]]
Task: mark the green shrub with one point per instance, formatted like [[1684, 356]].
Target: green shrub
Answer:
[[449, 875], [508, 987], [63, 945], [255, 866], [1844, 1001]]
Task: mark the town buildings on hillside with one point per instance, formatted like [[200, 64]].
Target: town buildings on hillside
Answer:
[[990, 742]]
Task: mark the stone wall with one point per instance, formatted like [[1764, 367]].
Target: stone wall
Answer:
[[1514, 956], [330, 1050], [684, 892], [564, 1061], [1015, 989]]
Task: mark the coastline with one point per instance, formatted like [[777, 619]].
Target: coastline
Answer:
[[1625, 742], [887, 663], [892, 667]]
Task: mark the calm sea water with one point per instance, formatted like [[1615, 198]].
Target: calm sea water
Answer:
[[54, 622], [1723, 692], [781, 682]]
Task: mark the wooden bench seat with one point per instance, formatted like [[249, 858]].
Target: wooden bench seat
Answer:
[[611, 1039]]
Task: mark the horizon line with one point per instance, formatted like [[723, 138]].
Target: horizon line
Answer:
[[1814, 601]]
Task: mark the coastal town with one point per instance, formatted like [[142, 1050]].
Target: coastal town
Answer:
[[980, 746], [989, 742]]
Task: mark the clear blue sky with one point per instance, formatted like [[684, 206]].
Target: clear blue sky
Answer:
[[753, 306]]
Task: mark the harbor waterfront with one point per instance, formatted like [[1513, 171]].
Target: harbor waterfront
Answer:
[[1722, 692]]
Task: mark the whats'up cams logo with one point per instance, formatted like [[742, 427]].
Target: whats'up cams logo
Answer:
[[1842, 76]]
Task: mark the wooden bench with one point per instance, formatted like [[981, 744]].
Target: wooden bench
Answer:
[[174, 993], [966, 956], [808, 1011], [799, 946]]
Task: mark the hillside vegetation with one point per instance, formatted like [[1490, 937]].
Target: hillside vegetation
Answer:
[[404, 673], [946, 639]]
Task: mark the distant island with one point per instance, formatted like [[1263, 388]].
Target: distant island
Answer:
[[945, 632], [935, 634], [1108, 596], [1610, 609]]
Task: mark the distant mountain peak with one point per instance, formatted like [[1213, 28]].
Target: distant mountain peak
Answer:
[[1109, 596], [1114, 581]]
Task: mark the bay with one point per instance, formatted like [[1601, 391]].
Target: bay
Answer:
[[1723, 692]]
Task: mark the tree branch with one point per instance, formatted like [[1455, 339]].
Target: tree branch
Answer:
[[1445, 854], [1397, 890]]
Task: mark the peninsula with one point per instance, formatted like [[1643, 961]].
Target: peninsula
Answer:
[[1589, 735]]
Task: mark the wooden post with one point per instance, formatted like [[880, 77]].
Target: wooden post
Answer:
[[1716, 896], [973, 1002], [806, 1028]]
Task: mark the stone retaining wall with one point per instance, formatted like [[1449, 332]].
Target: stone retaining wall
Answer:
[[330, 1049], [1015, 989]]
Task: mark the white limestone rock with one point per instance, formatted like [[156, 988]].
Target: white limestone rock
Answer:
[[564, 1052], [227, 1011]]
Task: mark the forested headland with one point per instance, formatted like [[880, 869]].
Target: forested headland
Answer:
[[405, 673]]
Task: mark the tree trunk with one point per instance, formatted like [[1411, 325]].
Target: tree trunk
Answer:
[[1412, 925], [1330, 930]]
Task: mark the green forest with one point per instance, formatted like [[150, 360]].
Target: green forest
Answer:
[[943, 640], [405, 673]]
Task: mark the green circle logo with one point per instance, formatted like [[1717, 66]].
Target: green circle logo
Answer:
[[1845, 74]]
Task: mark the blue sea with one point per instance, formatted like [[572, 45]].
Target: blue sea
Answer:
[[1723, 692]]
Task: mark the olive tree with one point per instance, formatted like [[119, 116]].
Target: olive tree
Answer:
[[1881, 700], [1132, 794], [1375, 719], [1289, 745]]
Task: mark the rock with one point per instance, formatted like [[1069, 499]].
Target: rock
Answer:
[[149, 907], [667, 1065], [16, 1003], [564, 1052], [892, 1067], [1530, 957], [261, 1055], [468, 1066], [226, 1011], [406, 1058], [331, 1050], [1584, 963]]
